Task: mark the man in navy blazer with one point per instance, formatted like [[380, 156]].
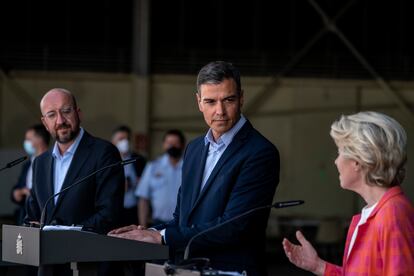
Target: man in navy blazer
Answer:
[[96, 203], [230, 170]]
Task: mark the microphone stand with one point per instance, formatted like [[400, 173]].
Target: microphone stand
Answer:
[[14, 163], [277, 205], [201, 263], [120, 163]]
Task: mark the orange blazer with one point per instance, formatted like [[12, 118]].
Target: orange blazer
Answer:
[[384, 244]]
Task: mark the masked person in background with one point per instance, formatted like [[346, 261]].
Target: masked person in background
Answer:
[[36, 142], [121, 138], [160, 182]]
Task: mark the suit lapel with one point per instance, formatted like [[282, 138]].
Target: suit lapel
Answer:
[[199, 173], [48, 178], [234, 146], [80, 157]]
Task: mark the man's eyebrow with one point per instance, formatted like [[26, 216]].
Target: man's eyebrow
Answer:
[[235, 95]]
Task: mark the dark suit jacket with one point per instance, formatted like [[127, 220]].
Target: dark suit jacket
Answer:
[[20, 213], [139, 163], [21, 182], [245, 177], [96, 203]]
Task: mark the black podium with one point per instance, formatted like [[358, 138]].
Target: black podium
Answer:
[[30, 246]]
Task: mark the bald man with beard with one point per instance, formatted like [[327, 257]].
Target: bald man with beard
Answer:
[[96, 203]]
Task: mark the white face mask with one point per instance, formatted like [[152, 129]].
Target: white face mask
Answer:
[[123, 146], [29, 148]]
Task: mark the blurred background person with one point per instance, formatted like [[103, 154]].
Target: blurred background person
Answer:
[[121, 138], [160, 182], [36, 142], [371, 162]]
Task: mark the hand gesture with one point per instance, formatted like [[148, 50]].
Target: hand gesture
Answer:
[[304, 255]]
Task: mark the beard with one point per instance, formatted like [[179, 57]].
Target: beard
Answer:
[[70, 135]]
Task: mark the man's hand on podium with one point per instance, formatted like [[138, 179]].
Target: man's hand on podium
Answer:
[[125, 229], [35, 224], [138, 233]]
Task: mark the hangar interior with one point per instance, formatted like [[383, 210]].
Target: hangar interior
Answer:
[[303, 64]]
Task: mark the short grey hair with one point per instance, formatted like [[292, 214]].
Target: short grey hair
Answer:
[[377, 142]]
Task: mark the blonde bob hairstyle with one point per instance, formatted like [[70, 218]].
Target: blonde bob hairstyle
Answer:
[[377, 142]]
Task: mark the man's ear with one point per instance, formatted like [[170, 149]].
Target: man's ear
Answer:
[[241, 98], [44, 122], [80, 114], [198, 97]]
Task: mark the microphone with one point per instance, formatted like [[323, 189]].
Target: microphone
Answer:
[[277, 205], [120, 163], [14, 163]]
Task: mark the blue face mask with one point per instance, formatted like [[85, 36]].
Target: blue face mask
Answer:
[[28, 147]]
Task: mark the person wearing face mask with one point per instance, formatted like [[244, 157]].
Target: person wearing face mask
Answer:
[[36, 142], [160, 182], [121, 137]]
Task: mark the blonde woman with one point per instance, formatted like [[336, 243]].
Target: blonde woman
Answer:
[[370, 162]]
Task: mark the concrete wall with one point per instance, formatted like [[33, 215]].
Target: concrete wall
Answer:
[[296, 117]]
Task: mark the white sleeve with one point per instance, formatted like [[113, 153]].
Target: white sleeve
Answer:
[[143, 188]]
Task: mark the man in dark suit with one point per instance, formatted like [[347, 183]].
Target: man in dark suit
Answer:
[[227, 172], [96, 203], [36, 142]]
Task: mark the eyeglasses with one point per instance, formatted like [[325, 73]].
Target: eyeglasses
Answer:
[[65, 112]]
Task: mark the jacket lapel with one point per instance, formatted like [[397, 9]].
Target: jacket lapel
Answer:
[[351, 230], [394, 191], [234, 146], [48, 179], [80, 157], [199, 174]]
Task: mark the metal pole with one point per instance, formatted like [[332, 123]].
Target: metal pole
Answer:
[[389, 91]]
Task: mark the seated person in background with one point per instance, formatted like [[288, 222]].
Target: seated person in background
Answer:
[[371, 160], [161, 180], [121, 137], [36, 142]]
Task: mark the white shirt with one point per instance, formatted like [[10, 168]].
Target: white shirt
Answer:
[[62, 163], [365, 213]]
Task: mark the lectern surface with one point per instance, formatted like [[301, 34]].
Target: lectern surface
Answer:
[[31, 246]]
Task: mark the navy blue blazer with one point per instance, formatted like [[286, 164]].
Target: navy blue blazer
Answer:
[[21, 182], [96, 203], [20, 213], [245, 177]]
